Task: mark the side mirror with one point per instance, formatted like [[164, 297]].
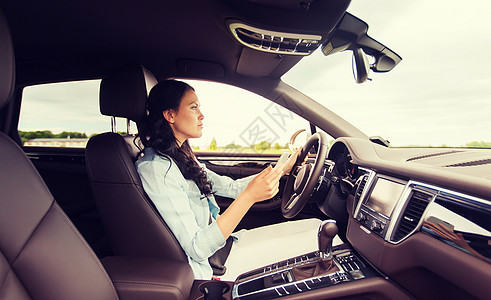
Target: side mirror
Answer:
[[360, 65]]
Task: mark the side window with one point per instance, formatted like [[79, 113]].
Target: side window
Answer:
[[62, 114], [236, 120], [67, 115]]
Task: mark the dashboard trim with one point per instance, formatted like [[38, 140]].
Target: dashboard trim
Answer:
[[440, 214], [412, 186], [368, 184]]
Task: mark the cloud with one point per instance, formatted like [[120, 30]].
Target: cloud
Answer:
[[63, 107]]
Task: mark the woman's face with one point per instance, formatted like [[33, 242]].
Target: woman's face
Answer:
[[187, 122]]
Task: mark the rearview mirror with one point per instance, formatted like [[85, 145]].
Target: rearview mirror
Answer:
[[360, 65], [351, 34]]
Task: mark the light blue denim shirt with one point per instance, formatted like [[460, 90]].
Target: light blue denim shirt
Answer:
[[185, 210]]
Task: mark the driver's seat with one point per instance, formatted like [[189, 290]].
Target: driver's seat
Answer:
[[133, 225]]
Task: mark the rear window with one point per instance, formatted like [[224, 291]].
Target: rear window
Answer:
[[63, 114]]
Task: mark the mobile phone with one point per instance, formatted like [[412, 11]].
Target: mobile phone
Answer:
[[282, 160]]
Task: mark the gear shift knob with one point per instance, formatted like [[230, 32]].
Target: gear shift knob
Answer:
[[327, 231]]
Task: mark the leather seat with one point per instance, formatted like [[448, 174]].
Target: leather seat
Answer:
[[42, 255], [132, 224]]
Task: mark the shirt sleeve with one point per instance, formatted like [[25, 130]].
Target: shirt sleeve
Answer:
[[167, 188], [226, 186]]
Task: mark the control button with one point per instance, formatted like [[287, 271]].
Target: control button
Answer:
[[282, 264], [307, 287], [278, 278], [290, 289], [357, 267], [357, 274], [291, 262], [275, 266], [335, 279], [343, 276], [349, 267], [269, 294], [375, 226], [361, 217], [316, 283], [301, 287]]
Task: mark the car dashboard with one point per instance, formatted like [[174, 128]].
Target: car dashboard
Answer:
[[413, 229], [419, 216]]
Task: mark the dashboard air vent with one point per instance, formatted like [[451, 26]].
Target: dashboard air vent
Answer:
[[412, 214], [471, 163], [433, 155], [359, 190], [275, 42]]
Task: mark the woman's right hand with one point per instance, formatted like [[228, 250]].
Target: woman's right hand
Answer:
[[265, 185]]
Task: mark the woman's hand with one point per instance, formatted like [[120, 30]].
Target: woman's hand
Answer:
[[265, 185], [287, 167]]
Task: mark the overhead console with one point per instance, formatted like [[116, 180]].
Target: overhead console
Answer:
[[277, 33]]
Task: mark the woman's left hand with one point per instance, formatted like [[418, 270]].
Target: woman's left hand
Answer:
[[287, 167]]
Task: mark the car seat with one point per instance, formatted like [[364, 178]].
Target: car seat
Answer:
[[42, 255], [132, 224]]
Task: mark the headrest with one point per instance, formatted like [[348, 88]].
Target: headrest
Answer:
[[7, 63], [125, 93]]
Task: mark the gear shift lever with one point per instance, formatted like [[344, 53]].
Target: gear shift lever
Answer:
[[327, 231]]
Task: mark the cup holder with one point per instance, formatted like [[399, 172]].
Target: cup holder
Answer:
[[213, 290]]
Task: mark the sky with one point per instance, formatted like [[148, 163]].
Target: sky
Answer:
[[438, 95]]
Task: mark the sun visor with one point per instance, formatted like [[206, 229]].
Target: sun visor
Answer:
[[260, 64], [199, 69]]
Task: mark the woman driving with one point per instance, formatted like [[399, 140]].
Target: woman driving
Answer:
[[183, 190]]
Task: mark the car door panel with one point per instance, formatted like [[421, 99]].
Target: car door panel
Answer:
[[63, 170]]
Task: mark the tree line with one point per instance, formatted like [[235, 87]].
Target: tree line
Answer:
[[263, 145], [47, 134]]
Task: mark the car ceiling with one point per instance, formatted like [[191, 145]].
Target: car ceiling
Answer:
[[69, 40]]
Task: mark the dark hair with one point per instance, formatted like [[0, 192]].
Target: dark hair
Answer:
[[156, 132]]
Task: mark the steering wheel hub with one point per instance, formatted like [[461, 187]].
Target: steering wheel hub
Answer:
[[302, 178]]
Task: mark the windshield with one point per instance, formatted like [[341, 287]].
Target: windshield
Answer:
[[437, 96]]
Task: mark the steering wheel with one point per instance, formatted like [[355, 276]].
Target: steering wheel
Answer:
[[303, 178]]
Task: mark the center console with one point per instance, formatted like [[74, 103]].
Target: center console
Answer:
[[331, 272], [376, 207], [301, 274]]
